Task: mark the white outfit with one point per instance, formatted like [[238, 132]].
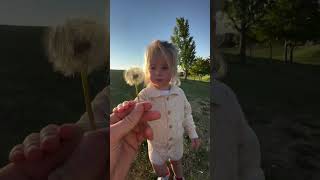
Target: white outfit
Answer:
[[168, 131]]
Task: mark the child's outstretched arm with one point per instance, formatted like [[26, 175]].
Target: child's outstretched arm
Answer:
[[189, 125], [188, 122]]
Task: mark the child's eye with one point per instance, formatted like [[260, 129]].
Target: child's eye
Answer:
[[152, 68], [164, 67]]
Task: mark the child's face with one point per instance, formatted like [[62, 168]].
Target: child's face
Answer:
[[160, 73]]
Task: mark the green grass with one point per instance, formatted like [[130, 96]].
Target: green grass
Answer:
[[302, 54], [196, 164], [205, 78], [281, 102]]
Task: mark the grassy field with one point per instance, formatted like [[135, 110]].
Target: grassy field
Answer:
[[32, 95], [205, 78], [302, 54], [281, 102], [196, 163]]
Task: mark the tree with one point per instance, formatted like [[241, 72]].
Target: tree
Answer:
[[264, 32], [243, 15], [200, 67], [295, 22], [252, 40], [185, 44]]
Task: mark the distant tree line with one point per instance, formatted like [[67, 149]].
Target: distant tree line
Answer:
[[293, 22]]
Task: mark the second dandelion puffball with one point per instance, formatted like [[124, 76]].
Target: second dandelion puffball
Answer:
[[134, 76]]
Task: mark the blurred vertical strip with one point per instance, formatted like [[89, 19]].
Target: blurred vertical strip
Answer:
[[108, 40], [212, 48], [108, 84]]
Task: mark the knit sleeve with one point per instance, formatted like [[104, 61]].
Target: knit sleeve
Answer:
[[142, 96], [188, 122]]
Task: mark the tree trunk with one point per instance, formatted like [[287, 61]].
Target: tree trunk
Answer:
[[285, 51], [186, 74], [243, 46], [270, 46], [291, 53]]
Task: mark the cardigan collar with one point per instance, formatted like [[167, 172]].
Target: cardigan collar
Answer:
[[154, 92]]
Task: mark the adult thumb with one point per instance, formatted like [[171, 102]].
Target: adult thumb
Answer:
[[123, 127], [88, 161]]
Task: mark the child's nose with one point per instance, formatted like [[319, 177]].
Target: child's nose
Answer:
[[158, 72]]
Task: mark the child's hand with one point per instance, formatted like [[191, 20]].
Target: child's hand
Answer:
[[195, 142]]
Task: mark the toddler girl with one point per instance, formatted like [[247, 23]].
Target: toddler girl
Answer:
[[166, 97]]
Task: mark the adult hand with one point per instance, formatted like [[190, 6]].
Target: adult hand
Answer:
[[127, 130], [82, 156], [89, 160], [58, 153], [41, 152]]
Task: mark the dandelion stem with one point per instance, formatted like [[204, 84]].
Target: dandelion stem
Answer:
[[85, 86], [136, 89]]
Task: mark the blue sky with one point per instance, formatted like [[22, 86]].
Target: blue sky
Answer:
[[134, 24]]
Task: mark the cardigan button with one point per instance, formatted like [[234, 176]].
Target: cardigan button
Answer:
[[169, 112], [170, 126], [170, 139], [168, 98]]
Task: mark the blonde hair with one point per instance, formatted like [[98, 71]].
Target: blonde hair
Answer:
[[166, 50]]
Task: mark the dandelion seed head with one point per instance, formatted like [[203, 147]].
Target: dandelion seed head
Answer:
[[134, 76], [78, 44]]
